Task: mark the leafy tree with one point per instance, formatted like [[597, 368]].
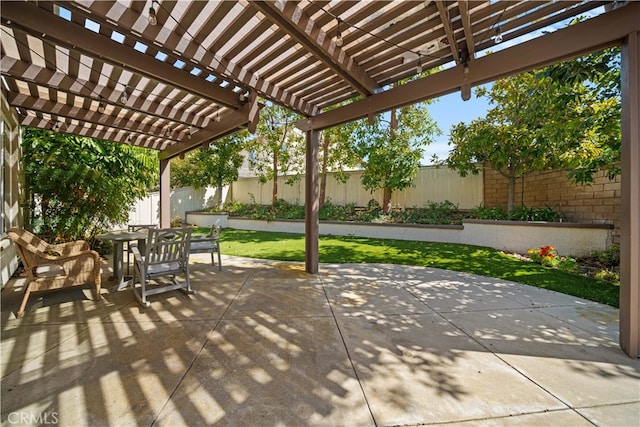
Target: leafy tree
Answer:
[[595, 80], [278, 147], [337, 153], [77, 187], [562, 116], [217, 166], [391, 149]]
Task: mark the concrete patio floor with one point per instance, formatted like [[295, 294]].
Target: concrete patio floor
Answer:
[[263, 343]]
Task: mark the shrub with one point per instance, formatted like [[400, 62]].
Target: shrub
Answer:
[[547, 213], [609, 257], [547, 255], [521, 213], [332, 212], [176, 221], [481, 212]]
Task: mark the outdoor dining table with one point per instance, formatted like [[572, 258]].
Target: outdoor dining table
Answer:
[[118, 238]]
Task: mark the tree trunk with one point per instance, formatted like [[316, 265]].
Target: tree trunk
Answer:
[[511, 193], [323, 170], [219, 201], [274, 194], [386, 200], [386, 192]]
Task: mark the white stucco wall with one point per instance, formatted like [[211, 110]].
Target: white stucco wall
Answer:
[[568, 239]]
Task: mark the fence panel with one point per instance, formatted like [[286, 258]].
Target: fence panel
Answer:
[[431, 185], [147, 210]]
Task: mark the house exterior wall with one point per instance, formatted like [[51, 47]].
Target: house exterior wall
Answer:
[[10, 171]]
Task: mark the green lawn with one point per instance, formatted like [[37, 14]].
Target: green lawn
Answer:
[[465, 258]]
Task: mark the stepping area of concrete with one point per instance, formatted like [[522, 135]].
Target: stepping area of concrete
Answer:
[[263, 343]]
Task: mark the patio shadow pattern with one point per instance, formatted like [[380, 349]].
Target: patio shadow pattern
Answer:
[[265, 343]]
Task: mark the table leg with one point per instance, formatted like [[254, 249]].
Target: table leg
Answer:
[[118, 270]]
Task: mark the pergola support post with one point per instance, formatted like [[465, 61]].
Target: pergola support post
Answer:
[[165, 193], [312, 202], [630, 198]]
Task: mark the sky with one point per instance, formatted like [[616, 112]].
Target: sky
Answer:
[[450, 110]]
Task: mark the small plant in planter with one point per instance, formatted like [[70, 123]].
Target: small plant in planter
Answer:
[[547, 256]]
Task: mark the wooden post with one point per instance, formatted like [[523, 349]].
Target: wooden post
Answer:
[[312, 203], [165, 193], [630, 198]]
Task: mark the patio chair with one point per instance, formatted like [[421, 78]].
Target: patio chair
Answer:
[[136, 227], [51, 267], [166, 255], [208, 244]]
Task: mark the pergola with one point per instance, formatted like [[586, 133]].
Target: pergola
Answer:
[[177, 75]]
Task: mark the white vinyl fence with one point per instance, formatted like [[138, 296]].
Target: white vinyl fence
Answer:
[[431, 185], [147, 210]]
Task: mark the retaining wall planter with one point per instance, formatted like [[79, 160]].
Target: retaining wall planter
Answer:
[[514, 236], [207, 219]]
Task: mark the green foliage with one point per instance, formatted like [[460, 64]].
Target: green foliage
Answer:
[[337, 154], [434, 213], [547, 213], [608, 275], [217, 166], [286, 210], [77, 187], [176, 221], [331, 212], [562, 116], [521, 213], [391, 149], [548, 256], [595, 80], [609, 257], [481, 212], [277, 149]]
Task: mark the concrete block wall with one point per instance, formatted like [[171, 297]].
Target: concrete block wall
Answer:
[[595, 203]]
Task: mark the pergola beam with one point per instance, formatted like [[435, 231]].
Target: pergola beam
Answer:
[[31, 73], [607, 30], [205, 58], [35, 20], [234, 121], [91, 131], [301, 27], [446, 23]]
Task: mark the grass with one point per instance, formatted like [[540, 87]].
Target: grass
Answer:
[[465, 258]]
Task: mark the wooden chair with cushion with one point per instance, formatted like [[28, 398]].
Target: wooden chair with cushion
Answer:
[[208, 244], [51, 267], [166, 255], [136, 227]]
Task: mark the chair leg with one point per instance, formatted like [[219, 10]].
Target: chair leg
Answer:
[[187, 280], [219, 260], [141, 296], [97, 279], [23, 305]]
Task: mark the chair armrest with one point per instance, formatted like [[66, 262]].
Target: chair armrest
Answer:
[[137, 256], [69, 247], [63, 261], [78, 255]]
